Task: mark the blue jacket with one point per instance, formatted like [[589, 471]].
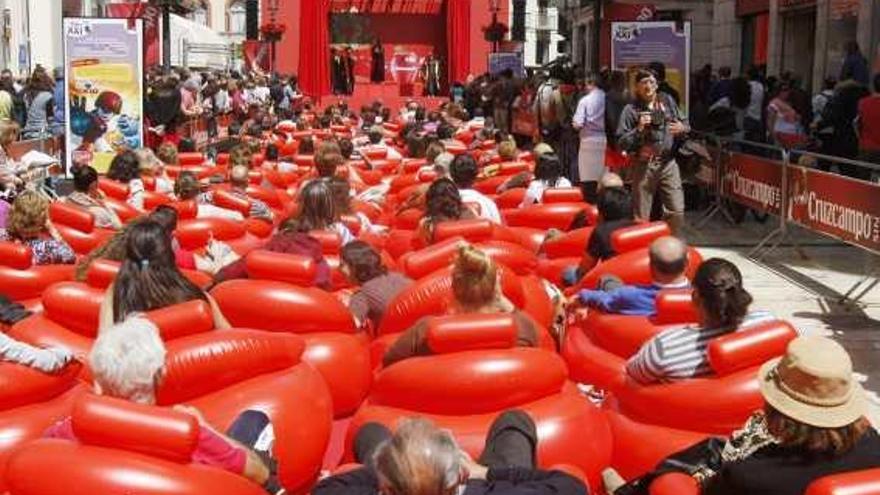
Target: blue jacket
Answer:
[[634, 300]]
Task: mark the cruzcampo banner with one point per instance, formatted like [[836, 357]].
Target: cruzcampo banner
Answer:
[[635, 45], [103, 71]]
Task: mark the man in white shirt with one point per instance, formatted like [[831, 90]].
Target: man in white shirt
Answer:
[[753, 122], [589, 120], [464, 172]]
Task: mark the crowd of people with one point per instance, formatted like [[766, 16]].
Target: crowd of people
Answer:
[[813, 422]]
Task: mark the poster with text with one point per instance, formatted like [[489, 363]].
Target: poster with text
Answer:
[[635, 45], [103, 69]]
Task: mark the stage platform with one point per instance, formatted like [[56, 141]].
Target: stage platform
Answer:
[[390, 94]]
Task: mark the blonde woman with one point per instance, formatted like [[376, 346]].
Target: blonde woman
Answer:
[[476, 289], [29, 224]]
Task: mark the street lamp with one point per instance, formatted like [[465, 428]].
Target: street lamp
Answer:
[[494, 7], [166, 34]]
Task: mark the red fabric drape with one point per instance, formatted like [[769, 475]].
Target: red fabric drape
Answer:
[[762, 34], [314, 48], [458, 29]]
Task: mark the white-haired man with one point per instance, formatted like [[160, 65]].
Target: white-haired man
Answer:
[[127, 362]]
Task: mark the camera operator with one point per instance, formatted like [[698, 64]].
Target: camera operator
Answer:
[[650, 129]]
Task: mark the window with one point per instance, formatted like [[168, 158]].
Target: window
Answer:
[[236, 17], [199, 15], [542, 48], [543, 4]]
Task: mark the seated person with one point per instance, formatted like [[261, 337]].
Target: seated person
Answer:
[[420, 458], [188, 188], [548, 175], [48, 360], [87, 196], [442, 204], [154, 166], [239, 181], [289, 239], [476, 288], [149, 279], [615, 212], [126, 169], [28, 223], [440, 166], [378, 287], [127, 362], [669, 258], [342, 196], [317, 211], [464, 172], [813, 425], [680, 353], [376, 136]]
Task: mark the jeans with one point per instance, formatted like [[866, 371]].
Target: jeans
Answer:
[[253, 429], [512, 441]]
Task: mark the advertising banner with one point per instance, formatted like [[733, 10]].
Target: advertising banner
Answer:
[[634, 45], [403, 63], [835, 205], [755, 182], [499, 62], [152, 16], [104, 74]]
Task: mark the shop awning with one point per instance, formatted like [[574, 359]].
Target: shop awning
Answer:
[[207, 47]]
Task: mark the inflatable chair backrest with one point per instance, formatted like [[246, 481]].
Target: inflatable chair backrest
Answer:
[[282, 307], [180, 320], [330, 241], [750, 347], [113, 189], [638, 236], [66, 214], [283, 267], [412, 165], [190, 158], [417, 264], [553, 215], [102, 272], [512, 168], [200, 364], [482, 372], [194, 234], [562, 195], [225, 199], [122, 447], [473, 230], [153, 200], [186, 210], [75, 306]]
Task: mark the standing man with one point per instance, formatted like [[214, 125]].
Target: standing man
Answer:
[[377, 72], [648, 131], [589, 120], [432, 75], [337, 72], [349, 71]]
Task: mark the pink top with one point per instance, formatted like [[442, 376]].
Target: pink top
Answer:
[[211, 449]]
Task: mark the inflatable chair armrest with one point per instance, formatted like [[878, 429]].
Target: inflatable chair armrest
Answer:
[[750, 347], [675, 484], [72, 216], [113, 189], [15, 255], [866, 482], [638, 236], [200, 364], [101, 273], [291, 268], [180, 320], [419, 263], [190, 158], [22, 385], [225, 199], [562, 195], [451, 334], [186, 210], [675, 306], [124, 425], [330, 241]]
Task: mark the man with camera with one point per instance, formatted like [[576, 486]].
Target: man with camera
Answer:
[[650, 129]]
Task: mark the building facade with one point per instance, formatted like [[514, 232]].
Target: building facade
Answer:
[[539, 30], [803, 37]]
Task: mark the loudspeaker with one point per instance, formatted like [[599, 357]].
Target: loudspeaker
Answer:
[[252, 19]]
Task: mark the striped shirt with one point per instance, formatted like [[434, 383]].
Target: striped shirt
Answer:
[[680, 353]]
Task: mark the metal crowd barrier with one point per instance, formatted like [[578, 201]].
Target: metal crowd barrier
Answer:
[[832, 205]]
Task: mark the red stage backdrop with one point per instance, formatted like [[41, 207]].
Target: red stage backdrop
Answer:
[[305, 25]]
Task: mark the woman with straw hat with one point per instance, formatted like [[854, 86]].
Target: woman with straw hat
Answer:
[[815, 411]]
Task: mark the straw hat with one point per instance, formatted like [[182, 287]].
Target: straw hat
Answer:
[[813, 384]]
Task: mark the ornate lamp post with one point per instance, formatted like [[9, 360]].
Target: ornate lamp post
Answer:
[[495, 32], [272, 31], [166, 34]]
